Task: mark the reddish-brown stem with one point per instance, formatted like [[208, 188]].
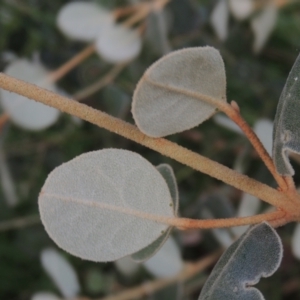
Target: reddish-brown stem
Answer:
[[232, 111], [163, 146], [184, 223], [72, 63], [235, 116]]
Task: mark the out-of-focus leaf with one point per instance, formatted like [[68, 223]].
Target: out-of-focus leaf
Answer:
[[7, 182], [166, 262], [241, 9], [126, 266], [105, 205], [83, 20], [173, 95], [286, 133], [262, 25], [24, 112], [219, 19], [296, 241], [61, 272], [118, 44], [168, 174], [257, 253], [116, 101], [249, 206], [263, 129], [44, 296], [157, 32]]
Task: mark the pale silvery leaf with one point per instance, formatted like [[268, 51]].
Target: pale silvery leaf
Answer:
[[262, 26], [168, 174], [24, 112], [61, 272], [219, 19], [118, 44], [44, 296], [296, 242], [263, 129], [249, 206], [126, 266], [157, 32], [7, 182], [168, 98], [166, 262], [83, 20], [286, 134], [257, 253], [223, 236], [241, 9], [105, 205]]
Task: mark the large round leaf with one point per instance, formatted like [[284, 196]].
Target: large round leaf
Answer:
[[83, 21], [118, 44], [174, 93], [24, 112], [106, 204]]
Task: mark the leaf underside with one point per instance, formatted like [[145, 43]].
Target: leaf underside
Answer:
[[105, 205], [257, 253], [286, 133], [168, 174], [176, 92]]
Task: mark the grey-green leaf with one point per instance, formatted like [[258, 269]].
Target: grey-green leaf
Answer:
[[105, 205], [257, 253], [286, 133], [176, 92], [168, 174], [152, 249]]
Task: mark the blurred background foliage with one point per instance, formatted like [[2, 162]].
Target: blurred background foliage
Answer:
[[28, 29]]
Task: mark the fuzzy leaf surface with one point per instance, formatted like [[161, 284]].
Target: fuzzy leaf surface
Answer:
[[257, 253], [176, 92], [286, 133], [106, 204]]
